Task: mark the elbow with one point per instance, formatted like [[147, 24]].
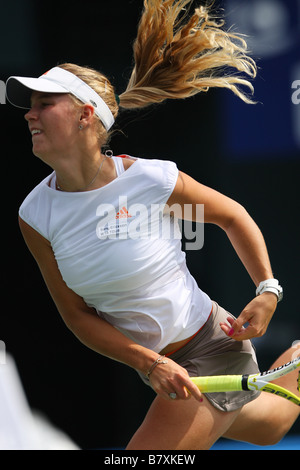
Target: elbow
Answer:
[[79, 329], [237, 216], [78, 320]]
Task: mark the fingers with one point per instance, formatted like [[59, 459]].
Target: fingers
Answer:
[[173, 396], [194, 391], [183, 394], [257, 314], [236, 330], [173, 383], [227, 328], [180, 390]]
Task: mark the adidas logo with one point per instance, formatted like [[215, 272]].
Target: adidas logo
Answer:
[[123, 214]]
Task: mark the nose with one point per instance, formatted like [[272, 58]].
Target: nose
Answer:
[[30, 115]]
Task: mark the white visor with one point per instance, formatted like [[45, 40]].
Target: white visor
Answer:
[[57, 80]]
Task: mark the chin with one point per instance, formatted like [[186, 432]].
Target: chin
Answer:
[[46, 157], [37, 153], [42, 155]]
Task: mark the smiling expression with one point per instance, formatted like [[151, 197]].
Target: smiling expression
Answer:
[[53, 124]]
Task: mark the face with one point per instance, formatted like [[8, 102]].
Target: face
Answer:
[[53, 122]]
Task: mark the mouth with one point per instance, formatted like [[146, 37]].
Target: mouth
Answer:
[[35, 132]]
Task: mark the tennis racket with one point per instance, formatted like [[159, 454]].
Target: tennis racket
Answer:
[[233, 383]]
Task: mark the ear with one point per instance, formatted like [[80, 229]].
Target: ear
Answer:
[[87, 114]]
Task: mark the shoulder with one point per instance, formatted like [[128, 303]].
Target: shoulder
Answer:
[[127, 161], [163, 171], [149, 164], [35, 206], [36, 243], [37, 192], [152, 179]]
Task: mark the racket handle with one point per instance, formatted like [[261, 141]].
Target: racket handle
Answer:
[[219, 383]]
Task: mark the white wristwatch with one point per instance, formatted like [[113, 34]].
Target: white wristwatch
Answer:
[[270, 285]]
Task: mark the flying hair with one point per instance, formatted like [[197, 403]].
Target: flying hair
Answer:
[[177, 55]]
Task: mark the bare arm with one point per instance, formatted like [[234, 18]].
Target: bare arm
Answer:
[[248, 242], [82, 320], [96, 333]]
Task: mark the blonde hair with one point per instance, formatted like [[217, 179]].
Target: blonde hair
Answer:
[[176, 56], [102, 86]]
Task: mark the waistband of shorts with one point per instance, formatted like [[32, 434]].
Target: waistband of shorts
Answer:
[[191, 337]]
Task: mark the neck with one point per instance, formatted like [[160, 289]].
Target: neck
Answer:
[[90, 173]]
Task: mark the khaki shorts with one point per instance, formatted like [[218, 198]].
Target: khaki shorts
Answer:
[[211, 352]]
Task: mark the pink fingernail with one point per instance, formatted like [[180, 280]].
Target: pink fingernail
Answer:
[[231, 331]]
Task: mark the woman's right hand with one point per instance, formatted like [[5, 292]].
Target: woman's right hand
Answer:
[[169, 378]]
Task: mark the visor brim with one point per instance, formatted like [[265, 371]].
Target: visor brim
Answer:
[[19, 90]]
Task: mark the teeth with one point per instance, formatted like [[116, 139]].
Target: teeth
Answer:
[[35, 131]]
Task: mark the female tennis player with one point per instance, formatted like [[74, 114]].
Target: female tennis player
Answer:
[[97, 228]]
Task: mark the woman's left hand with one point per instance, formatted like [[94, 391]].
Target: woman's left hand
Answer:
[[258, 314]]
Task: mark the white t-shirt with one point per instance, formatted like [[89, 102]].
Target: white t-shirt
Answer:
[[116, 249]]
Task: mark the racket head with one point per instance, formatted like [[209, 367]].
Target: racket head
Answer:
[[263, 381], [281, 392], [280, 371]]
